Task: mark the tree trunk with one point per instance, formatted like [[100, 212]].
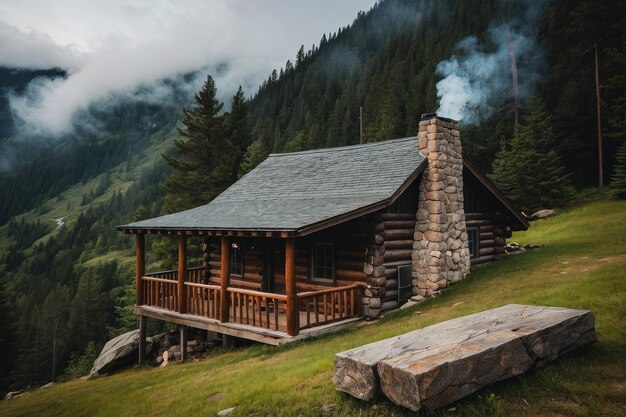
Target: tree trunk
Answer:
[[514, 77], [599, 106]]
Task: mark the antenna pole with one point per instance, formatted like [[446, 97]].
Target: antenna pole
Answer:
[[361, 124]]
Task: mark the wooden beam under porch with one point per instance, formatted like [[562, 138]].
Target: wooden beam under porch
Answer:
[[257, 334]]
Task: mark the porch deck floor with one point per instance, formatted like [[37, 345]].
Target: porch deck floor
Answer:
[[245, 331]]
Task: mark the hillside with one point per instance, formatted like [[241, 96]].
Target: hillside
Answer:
[[572, 270]]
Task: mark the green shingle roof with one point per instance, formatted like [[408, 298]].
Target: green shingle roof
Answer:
[[293, 191]]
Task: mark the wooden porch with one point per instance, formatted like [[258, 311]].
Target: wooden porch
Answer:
[[232, 308]]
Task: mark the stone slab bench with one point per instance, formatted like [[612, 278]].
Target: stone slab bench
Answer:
[[439, 364]]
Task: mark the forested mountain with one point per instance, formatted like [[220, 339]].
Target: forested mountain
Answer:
[[386, 62], [62, 288]]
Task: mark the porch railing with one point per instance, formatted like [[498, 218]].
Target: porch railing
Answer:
[[256, 308], [250, 307], [329, 305], [202, 300], [160, 292], [193, 274]]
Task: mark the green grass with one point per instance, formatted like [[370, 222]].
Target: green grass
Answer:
[[582, 265]]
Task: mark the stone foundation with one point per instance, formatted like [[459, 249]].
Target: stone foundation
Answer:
[[440, 247], [375, 279]]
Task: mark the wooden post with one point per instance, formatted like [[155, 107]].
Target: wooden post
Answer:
[[182, 271], [142, 339], [225, 282], [183, 343], [290, 287], [141, 268]]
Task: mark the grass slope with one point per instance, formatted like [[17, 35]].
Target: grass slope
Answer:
[[582, 265]]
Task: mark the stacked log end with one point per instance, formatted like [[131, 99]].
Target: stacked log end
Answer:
[[437, 365]]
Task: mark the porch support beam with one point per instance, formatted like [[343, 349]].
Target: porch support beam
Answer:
[[182, 271], [183, 343], [290, 287], [142, 339], [141, 267], [225, 281]]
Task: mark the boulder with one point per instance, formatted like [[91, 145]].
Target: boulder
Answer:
[[542, 214], [12, 394], [117, 353], [439, 364], [226, 412]]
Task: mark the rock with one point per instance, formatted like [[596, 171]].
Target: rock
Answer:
[[542, 214], [442, 363], [48, 385], [117, 353], [12, 394], [164, 359], [408, 304], [226, 412], [216, 396], [375, 303], [418, 298]]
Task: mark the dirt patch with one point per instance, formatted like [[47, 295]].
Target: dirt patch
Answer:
[[215, 397], [585, 264]]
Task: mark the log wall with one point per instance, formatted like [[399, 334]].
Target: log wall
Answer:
[[391, 246], [349, 242], [485, 212], [491, 236]]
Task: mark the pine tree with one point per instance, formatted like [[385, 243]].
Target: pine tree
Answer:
[[88, 317], [531, 177], [237, 129], [618, 179], [300, 56], [205, 163], [7, 340], [255, 154]]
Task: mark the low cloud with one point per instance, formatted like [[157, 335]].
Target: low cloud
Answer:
[[113, 50], [32, 50]]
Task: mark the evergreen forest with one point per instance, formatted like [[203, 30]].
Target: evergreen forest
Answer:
[[66, 273]]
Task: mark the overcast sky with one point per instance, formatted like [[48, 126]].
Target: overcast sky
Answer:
[[113, 46]]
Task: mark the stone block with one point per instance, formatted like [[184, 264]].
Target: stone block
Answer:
[[378, 271], [376, 282], [435, 186], [433, 236], [434, 195], [422, 214]]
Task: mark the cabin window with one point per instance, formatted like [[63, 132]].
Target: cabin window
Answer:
[[472, 241], [323, 262], [236, 259]]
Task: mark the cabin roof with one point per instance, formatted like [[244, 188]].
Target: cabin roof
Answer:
[[303, 191]]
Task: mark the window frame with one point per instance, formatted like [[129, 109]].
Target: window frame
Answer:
[[313, 263], [236, 245], [473, 244]]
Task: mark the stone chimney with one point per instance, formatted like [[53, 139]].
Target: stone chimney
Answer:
[[440, 247]]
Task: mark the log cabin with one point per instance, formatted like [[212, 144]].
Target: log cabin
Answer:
[[309, 242]]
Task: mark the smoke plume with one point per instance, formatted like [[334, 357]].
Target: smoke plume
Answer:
[[478, 75]]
